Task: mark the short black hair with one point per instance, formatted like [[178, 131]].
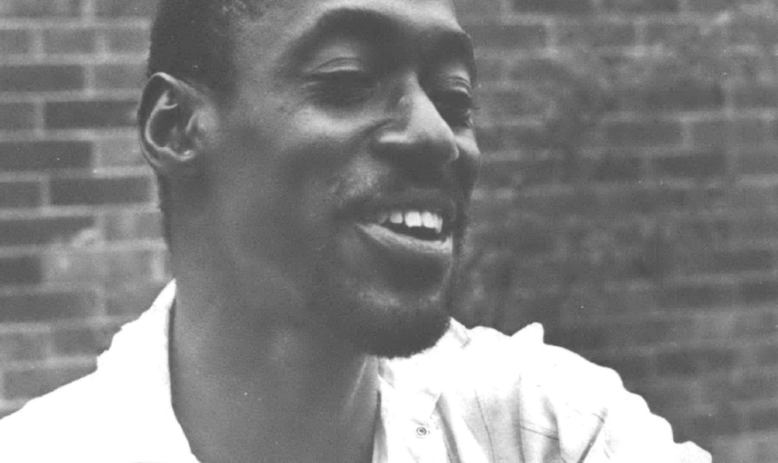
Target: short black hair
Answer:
[[191, 40]]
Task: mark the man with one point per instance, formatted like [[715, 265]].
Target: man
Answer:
[[315, 159]]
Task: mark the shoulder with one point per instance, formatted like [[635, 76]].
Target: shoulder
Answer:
[[523, 366], [46, 427], [555, 395]]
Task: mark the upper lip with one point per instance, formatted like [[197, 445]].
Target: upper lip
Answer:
[[420, 200]]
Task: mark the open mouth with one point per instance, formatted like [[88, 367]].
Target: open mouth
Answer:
[[412, 238], [422, 225]]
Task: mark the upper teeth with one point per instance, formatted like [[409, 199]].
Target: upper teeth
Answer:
[[413, 218]]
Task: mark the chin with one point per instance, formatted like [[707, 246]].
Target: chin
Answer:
[[384, 325], [387, 309]]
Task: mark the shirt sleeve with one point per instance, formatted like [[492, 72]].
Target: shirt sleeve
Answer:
[[589, 410], [631, 433]]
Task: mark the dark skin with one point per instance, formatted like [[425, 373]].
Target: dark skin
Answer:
[[284, 275]]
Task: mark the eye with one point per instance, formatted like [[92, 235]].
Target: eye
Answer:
[[343, 87], [456, 107]]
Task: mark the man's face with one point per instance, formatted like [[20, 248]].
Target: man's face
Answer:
[[342, 167]]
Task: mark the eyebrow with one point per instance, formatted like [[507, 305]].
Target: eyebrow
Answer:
[[376, 26]]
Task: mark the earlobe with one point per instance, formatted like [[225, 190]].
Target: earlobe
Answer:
[[170, 129]]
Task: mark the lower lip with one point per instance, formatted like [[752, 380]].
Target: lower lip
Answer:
[[406, 249]]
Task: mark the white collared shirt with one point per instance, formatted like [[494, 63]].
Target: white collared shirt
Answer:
[[477, 396]]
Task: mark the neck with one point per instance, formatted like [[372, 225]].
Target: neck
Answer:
[[253, 388]]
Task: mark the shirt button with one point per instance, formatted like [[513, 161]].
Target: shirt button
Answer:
[[421, 431]]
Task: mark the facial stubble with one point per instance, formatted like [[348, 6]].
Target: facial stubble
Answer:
[[380, 326]]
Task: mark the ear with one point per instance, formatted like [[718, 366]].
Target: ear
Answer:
[[170, 122]]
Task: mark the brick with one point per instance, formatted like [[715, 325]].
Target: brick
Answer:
[[763, 419], [650, 332], [20, 346], [724, 421], [573, 7], [82, 341], [741, 387], [596, 34], [41, 78], [502, 137], [527, 238], [629, 367], [69, 41], [698, 165], [100, 191], [45, 155], [124, 8], [125, 265], [577, 203], [716, 133], [119, 151], [701, 235], [66, 265], [90, 114], [132, 300], [127, 40], [664, 396], [34, 382], [746, 66], [490, 68], [756, 198], [40, 8], [695, 361], [743, 261], [24, 270], [18, 194], [647, 201], [670, 33], [765, 447], [756, 228], [616, 169], [480, 8], [759, 292], [47, 307], [17, 116], [18, 232], [511, 103], [580, 339], [680, 95], [15, 42], [513, 36], [755, 324], [513, 174], [711, 5], [648, 133], [696, 296], [767, 356], [754, 30], [642, 6], [755, 96], [132, 226], [119, 76], [84, 265]]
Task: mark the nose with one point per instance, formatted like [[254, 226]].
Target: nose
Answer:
[[417, 135]]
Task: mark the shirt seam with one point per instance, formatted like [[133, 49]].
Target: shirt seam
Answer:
[[486, 425]]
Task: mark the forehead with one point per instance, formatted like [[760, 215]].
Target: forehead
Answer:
[[293, 24], [421, 13]]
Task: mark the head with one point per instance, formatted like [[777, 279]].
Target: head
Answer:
[[324, 148]]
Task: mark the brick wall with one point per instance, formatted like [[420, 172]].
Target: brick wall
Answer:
[[80, 251], [628, 200], [628, 197]]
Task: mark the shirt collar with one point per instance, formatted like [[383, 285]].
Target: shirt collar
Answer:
[[139, 356]]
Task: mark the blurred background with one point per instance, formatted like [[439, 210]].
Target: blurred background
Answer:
[[628, 201]]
